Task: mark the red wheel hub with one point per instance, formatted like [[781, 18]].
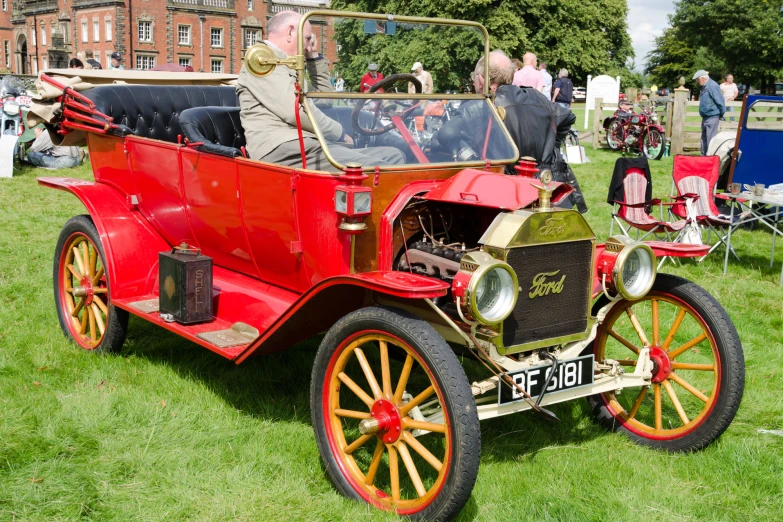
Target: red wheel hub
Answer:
[[389, 424], [86, 285], [663, 365]]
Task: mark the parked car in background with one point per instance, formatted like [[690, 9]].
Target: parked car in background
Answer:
[[663, 92], [580, 95]]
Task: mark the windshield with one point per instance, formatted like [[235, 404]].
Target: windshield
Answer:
[[390, 133]]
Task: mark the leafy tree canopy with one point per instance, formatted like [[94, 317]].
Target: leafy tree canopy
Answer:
[[583, 36]]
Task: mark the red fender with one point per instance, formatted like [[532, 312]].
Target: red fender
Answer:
[[128, 239]]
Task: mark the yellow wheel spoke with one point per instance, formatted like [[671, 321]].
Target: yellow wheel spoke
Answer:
[[697, 367], [376, 390], [676, 326], [658, 417], [411, 467], [687, 346], [625, 362], [366, 399], [74, 272], [637, 326], [685, 384], [375, 462], [656, 323], [416, 401], [85, 250], [406, 372], [412, 424], [100, 290], [352, 414], [77, 308], [417, 446], [624, 341], [98, 319], [394, 473], [97, 276], [77, 256], [358, 443], [93, 262], [638, 402], [83, 324], [97, 300], [385, 371], [93, 336], [675, 401]]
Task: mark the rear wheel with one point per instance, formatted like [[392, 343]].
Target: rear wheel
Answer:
[[614, 136], [81, 289], [653, 144], [394, 416], [699, 369]]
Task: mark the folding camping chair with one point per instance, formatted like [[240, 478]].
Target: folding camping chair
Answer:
[[630, 195], [695, 179]]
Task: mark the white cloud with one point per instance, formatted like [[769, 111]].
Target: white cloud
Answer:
[[646, 21]]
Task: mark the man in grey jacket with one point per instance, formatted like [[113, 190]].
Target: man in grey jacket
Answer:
[[268, 106], [44, 153], [711, 108]]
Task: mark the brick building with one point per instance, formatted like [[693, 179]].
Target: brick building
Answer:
[[208, 35]]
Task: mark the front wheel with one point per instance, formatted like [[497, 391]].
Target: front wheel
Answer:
[[699, 369], [653, 144], [614, 135], [394, 416]]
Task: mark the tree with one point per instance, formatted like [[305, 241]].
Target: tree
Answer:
[[583, 36]]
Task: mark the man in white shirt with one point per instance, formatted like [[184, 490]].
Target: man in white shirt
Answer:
[[730, 91], [423, 76], [546, 88]]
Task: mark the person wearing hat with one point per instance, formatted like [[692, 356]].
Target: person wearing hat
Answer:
[[371, 78], [116, 62], [423, 76], [711, 108]]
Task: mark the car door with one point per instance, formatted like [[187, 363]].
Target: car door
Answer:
[[757, 157]]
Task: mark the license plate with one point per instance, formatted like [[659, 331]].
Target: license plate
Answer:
[[572, 373]]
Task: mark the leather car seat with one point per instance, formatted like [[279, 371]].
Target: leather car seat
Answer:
[[218, 129]]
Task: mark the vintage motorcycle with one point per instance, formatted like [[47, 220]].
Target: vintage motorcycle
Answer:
[[13, 101], [635, 132]]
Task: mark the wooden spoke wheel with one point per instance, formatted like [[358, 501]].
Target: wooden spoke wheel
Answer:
[[385, 391], [698, 367], [81, 289]]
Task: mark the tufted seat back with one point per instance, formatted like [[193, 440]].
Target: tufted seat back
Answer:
[[153, 111], [217, 128]]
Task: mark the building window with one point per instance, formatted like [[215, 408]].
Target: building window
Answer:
[[183, 32], [43, 35], [186, 62], [145, 31], [5, 5], [145, 61], [84, 31], [43, 58], [34, 37], [217, 66], [108, 30], [216, 36], [7, 53], [64, 31], [96, 31], [252, 37], [250, 5]]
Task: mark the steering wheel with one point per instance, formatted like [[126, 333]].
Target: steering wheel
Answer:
[[384, 106]]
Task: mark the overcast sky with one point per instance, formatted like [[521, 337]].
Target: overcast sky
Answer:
[[646, 20]]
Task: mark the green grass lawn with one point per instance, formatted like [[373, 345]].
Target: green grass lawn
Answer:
[[166, 430]]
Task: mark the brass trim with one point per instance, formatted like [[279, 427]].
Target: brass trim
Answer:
[[544, 343], [478, 264]]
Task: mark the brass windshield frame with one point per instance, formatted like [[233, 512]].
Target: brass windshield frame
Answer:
[[488, 95]]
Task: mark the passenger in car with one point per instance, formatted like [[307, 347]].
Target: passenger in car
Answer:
[[268, 108]]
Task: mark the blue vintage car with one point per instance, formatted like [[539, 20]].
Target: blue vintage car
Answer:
[[757, 154]]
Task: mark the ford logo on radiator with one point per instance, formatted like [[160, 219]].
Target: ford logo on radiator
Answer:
[[543, 285]]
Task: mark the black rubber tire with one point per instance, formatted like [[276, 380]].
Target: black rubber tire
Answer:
[[117, 320], [732, 382], [610, 135], [662, 141], [451, 379]]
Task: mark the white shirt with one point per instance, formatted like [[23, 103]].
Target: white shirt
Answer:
[[547, 87]]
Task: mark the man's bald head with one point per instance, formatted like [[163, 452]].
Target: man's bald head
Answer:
[[501, 71], [281, 31], [529, 59]]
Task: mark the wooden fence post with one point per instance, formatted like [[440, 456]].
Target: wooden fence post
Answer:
[[669, 116], [631, 93], [678, 120], [598, 116]]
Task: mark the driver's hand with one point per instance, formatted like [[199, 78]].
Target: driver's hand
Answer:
[[311, 47], [348, 140]]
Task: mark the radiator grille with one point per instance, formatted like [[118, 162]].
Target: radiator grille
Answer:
[[552, 315]]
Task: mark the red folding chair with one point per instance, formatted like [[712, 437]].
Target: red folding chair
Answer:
[[629, 194], [695, 178]]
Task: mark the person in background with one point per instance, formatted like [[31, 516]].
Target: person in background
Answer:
[[75, 63], [43, 153], [371, 78], [90, 59], [339, 84], [423, 76], [546, 88], [116, 62], [517, 64], [529, 76], [564, 90], [711, 108], [730, 92]]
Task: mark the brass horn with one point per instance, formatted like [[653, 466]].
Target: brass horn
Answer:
[[261, 60]]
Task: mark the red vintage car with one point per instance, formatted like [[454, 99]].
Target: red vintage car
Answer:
[[409, 269]]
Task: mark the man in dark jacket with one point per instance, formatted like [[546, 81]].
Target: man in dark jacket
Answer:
[[712, 107], [534, 123]]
